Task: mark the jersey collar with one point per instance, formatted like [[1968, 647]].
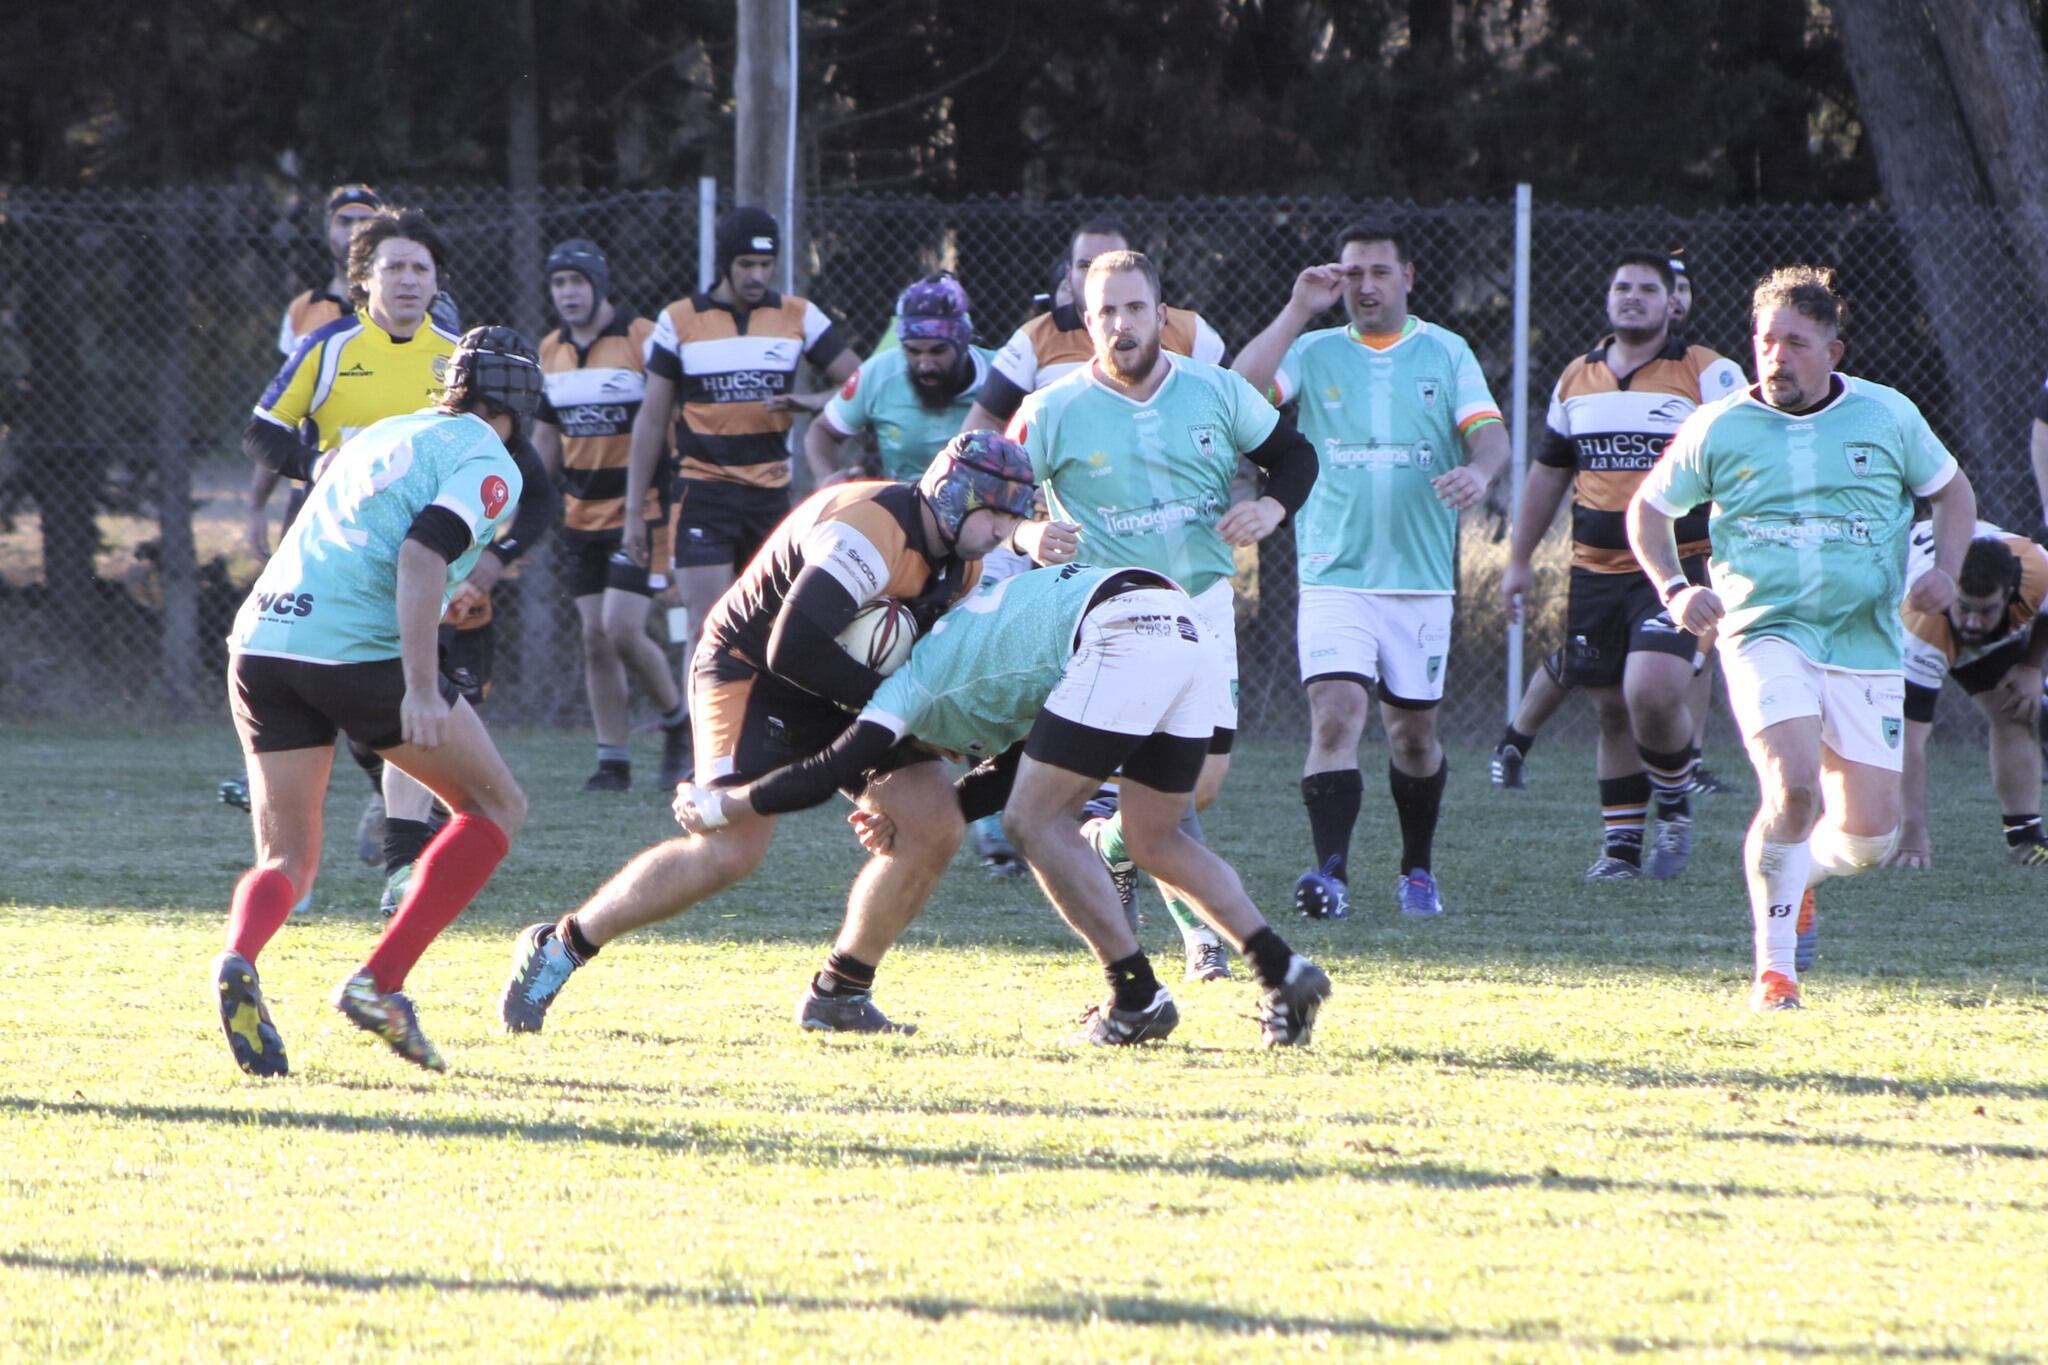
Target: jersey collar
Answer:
[[1172, 370], [1838, 387], [1409, 327]]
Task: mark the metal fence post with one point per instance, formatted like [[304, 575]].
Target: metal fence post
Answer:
[[177, 568], [1518, 429], [707, 223]]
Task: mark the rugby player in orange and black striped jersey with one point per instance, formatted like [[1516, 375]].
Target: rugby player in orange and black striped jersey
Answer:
[[773, 686], [730, 356], [594, 366], [1611, 415], [1053, 344]]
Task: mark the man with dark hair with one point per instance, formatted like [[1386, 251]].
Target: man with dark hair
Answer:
[[338, 634], [596, 376], [1811, 475], [721, 369], [1408, 435], [773, 685], [1992, 640], [1054, 344], [1137, 452], [1612, 412]]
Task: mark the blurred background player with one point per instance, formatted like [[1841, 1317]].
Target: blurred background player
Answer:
[[1137, 450], [1992, 641], [1812, 476], [1407, 435], [1053, 344], [913, 397], [773, 686], [1547, 688], [721, 367], [339, 634], [1612, 412], [595, 366]]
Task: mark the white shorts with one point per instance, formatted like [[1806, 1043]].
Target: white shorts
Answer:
[[1862, 715], [1216, 613], [1142, 668], [1398, 640]]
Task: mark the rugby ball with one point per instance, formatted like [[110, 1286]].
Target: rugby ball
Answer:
[[880, 635]]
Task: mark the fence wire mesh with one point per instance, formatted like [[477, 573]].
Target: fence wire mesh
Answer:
[[137, 329]]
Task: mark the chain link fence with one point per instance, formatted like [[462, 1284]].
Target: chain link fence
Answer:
[[137, 329]]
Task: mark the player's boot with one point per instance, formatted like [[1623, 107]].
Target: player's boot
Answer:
[[999, 858], [246, 1019], [1506, 767], [1774, 991], [1670, 850], [1418, 895], [1320, 893], [235, 792], [612, 775], [1704, 783], [1208, 960], [541, 964], [1122, 871], [390, 1016], [370, 831], [1608, 868], [2033, 853], [1287, 1013], [678, 756], [821, 1013], [1807, 926], [1104, 1025], [394, 891]]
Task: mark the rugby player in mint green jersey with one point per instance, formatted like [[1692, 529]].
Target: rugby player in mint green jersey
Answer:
[[1408, 435], [1812, 476], [1136, 451], [1056, 678]]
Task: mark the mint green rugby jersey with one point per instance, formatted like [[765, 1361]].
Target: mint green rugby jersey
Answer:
[[1811, 515], [977, 681], [329, 594], [1145, 482], [881, 395], [1384, 423]]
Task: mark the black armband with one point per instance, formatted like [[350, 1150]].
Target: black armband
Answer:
[[999, 397], [273, 446], [441, 531], [538, 503], [1290, 464], [812, 781], [1920, 702]]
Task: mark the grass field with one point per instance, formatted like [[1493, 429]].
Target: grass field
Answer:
[[1542, 1127]]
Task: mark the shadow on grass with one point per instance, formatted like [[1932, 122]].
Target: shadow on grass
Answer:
[[1120, 1309], [709, 1141]]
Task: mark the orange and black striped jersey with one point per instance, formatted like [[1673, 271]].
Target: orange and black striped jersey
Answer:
[[1932, 649], [1611, 428], [1052, 345], [307, 314], [868, 536], [725, 364], [593, 394]]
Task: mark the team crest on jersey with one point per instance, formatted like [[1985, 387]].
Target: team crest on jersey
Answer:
[[1204, 438], [1859, 457], [494, 493], [1426, 390], [440, 369], [1424, 456]]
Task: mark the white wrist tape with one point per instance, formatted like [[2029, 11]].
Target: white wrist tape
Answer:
[[710, 804]]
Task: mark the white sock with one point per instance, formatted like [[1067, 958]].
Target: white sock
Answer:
[[1777, 877]]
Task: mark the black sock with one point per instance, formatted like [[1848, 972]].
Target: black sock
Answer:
[[371, 762], [1333, 799], [1511, 738], [1416, 802], [1269, 955], [845, 974], [404, 841], [581, 949], [1624, 802], [2022, 829], [1131, 981]]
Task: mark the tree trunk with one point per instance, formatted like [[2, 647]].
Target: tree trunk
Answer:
[[532, 594], [761, 91], [2001, 83]]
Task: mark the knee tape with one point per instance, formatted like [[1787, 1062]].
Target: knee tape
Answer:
[[1838, 854]]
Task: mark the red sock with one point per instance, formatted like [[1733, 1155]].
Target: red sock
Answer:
[[263, 902], [444, 881]]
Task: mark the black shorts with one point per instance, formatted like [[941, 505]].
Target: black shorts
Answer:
[[747, 723], [1609, 616], [282, 704], [591, 564], [1168, 763], [466, 661], [724, 524]]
